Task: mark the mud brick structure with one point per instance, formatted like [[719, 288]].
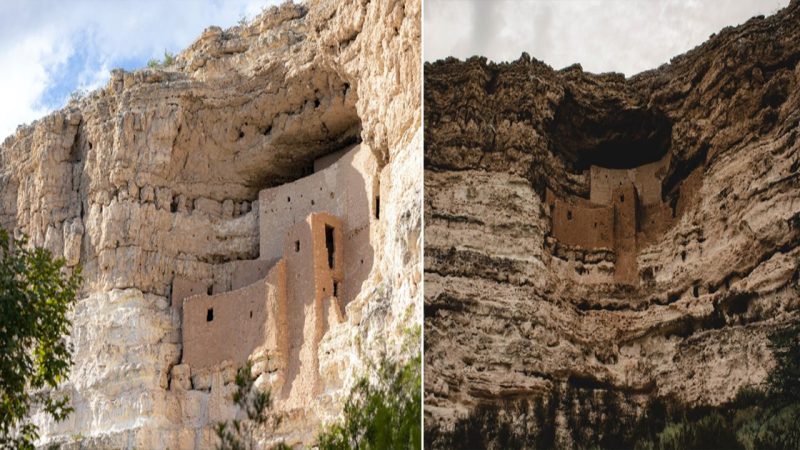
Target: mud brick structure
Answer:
[[315, 253], [623, 213]]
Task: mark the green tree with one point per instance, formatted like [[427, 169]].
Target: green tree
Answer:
[[35, 294], [384, 414], [243, 434]]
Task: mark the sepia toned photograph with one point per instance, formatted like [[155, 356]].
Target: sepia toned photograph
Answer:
[[612, 225]]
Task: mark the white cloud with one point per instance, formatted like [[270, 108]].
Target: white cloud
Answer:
[[626, 36], [43, 42]]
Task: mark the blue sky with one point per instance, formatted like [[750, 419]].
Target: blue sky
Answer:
[[50, 48], [626, 36]]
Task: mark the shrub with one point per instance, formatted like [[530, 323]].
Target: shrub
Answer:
[[169, 59], [382, 414]]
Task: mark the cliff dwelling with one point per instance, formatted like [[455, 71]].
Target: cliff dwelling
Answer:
[[629, 192], [623, 214], [314, 255], [595, 237]]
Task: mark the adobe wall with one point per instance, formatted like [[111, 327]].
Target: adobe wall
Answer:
[[183, 288], [647, 179], [309, 286], [625, 200], [346, 188], [238, 274], [654, 220], [580, 223], [250, 317]]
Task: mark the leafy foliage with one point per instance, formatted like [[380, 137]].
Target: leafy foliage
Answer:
[[35, 295], [169, 59], [243, 435], [385, 414]]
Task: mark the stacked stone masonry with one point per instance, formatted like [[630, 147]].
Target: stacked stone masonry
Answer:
[[623, 214], [315, 253]]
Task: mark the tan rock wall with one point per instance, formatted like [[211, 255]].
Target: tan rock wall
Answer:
[[157, 175], [509, 294]]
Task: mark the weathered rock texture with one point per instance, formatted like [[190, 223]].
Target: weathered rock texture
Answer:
[[512, 312], [157, 175]]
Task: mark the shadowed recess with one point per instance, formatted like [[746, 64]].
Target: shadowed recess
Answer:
[[608, 132]]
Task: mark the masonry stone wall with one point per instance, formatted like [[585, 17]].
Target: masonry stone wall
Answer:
[[310, 282], [345, 186], [231, 325], [646, 178], [312, 262], [580, 223], [624, 212], [625, 200]]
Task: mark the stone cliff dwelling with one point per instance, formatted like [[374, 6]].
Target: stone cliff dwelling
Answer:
[[314, 241], [623, 157], [624, 213]]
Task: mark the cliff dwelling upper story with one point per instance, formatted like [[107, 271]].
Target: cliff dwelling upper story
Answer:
[[315, 251], [624, 213]]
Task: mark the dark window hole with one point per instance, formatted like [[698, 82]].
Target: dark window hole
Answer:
[[329, 244], [210, 290], [296, 246], [569, 215], [377, 206], [210, 315]]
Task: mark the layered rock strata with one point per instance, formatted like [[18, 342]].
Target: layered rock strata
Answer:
[[518, 303], [156, 177]]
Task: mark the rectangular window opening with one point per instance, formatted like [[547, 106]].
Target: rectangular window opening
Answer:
[[377, 206], [329, 245], [296, 246], [335, 288], [210, 315]]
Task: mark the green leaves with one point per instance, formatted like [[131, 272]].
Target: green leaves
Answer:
[[169, 59], [36, 293], [382, 414]]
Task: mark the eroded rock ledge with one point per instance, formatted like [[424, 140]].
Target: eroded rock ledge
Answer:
[[518, 301], [157, 175]]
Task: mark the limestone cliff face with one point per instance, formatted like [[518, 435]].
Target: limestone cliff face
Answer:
[[157, 175], [512, 313]]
